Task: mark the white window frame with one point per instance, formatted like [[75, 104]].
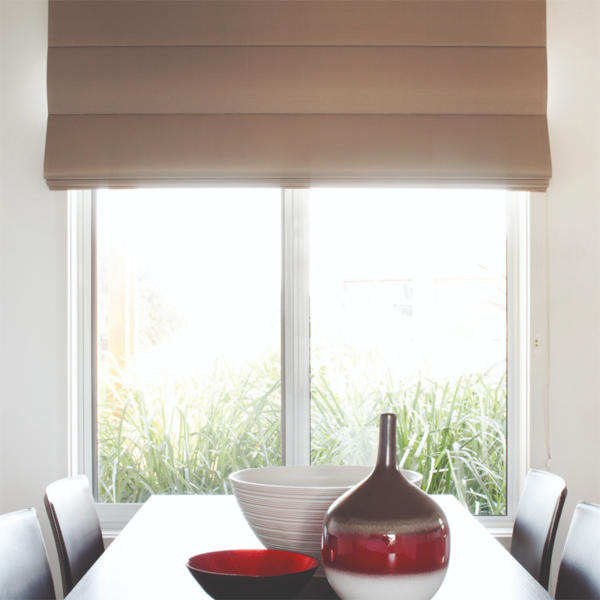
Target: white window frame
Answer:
[[295, 346]]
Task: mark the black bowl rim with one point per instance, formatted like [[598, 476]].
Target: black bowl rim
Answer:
[[265, 550]]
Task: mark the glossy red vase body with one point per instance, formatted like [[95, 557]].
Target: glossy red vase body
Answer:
[[385, 538]]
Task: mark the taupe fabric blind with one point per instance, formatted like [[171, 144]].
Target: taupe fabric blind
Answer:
[[297, 93]]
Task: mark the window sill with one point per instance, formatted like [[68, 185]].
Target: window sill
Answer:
[[114, 517]]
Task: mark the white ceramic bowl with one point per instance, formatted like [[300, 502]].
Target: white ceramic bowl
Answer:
[[285, 506]]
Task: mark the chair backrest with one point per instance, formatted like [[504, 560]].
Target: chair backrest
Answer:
[[536, 521], [579, 572], [75, 526], [24, 570]]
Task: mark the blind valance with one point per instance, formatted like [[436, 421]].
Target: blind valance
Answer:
[[297, 93]]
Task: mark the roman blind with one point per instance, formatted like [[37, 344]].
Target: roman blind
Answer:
[[296, 93]]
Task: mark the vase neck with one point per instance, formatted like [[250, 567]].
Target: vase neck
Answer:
[[386, 457]]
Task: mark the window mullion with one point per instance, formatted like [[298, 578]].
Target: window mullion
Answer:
[[295, 333]]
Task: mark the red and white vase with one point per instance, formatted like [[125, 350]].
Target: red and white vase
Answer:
[[385, 538]]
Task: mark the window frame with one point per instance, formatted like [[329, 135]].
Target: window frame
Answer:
[[295, 346]]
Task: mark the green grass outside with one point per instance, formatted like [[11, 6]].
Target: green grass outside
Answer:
[[187, 438]]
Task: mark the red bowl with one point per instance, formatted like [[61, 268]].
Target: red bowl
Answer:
[[252, 573]]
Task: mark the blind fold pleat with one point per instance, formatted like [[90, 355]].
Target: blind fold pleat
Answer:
[[297, 23], [297, 93]]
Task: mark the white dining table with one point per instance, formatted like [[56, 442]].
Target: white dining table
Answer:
[[148, 558]]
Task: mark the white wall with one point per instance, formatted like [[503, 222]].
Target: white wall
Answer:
[[573, 230], [33, 299]]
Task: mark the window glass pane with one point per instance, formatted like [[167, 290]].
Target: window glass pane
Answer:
[[408, 314], [188, 339]]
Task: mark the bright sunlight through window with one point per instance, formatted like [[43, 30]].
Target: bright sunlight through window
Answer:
[[408, 313], [188, 321]]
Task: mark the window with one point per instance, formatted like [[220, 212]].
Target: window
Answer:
[[238, 328], [188, 336], [408, 313]]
